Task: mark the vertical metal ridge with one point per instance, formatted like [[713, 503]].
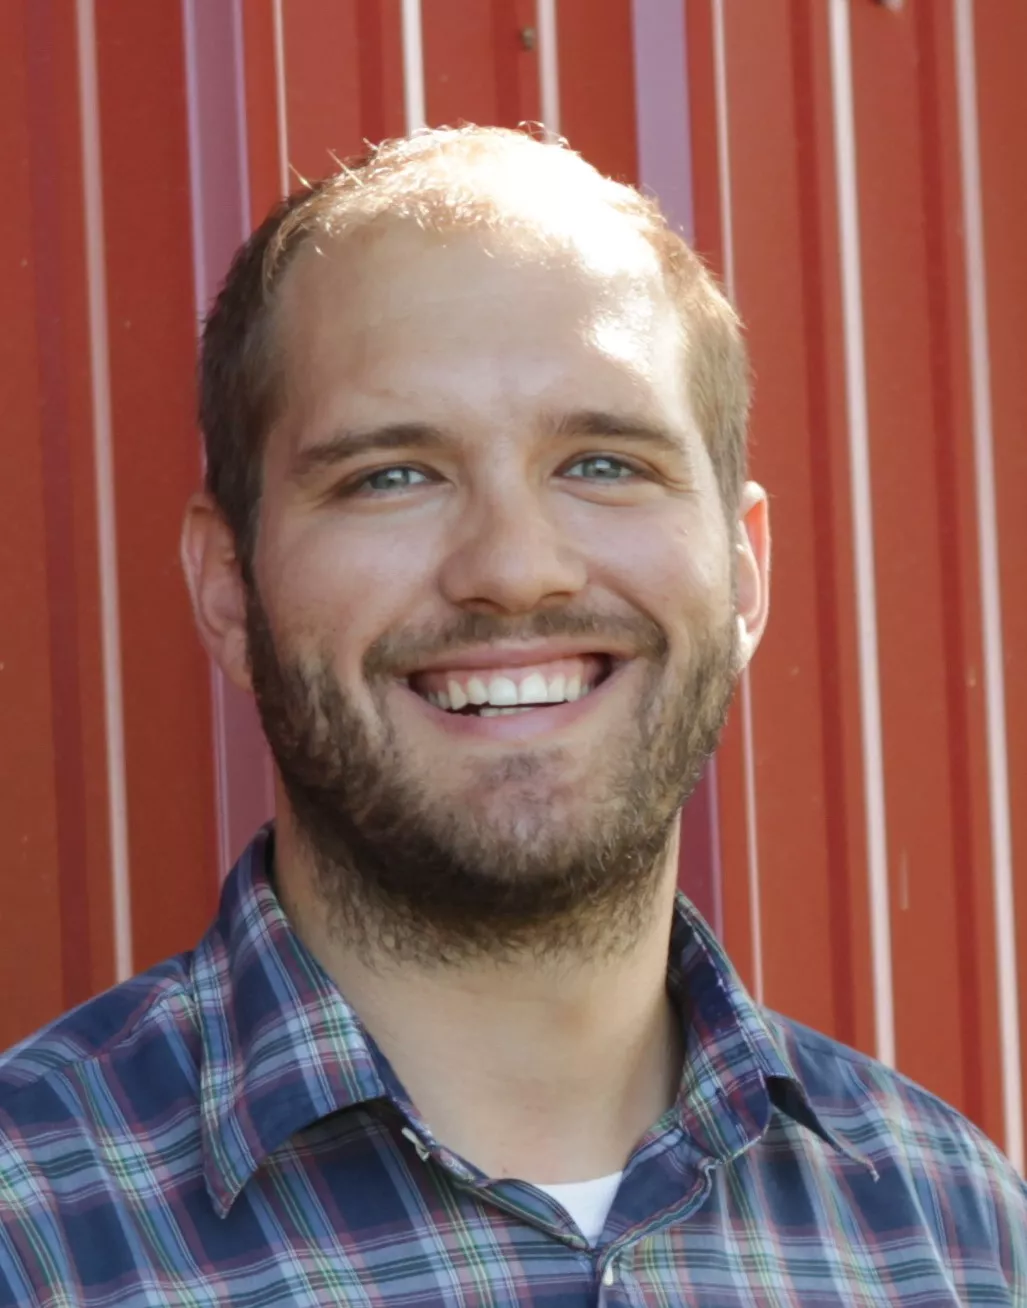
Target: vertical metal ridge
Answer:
[[413, 65], [863, 529], [745, 687], [241, 118], [752, 839], [723, 144], [281, 104], [106, 508], [549, 65], [662, 111], [193, 132], [205, 277], [991, 599]]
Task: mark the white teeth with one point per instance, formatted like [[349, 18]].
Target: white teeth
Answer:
[[533, 689], [504, 694], [491, 712], [502, 691], [557, 689]]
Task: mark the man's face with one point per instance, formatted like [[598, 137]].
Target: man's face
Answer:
[[493, 635]]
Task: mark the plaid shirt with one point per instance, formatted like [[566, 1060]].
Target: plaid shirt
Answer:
[[222, 1130]]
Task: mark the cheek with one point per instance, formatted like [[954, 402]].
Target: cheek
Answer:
[[669, 560], [324, 585]]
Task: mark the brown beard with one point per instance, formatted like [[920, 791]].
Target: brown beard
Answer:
[[400, 872]]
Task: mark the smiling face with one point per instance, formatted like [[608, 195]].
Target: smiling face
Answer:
[[494, 630]]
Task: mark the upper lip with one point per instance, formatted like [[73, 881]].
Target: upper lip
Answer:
[[516, 655]]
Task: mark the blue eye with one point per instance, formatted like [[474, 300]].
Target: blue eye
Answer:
[[399, 477], [600, 467]]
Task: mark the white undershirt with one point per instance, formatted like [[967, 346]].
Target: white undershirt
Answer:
[[588, 1202]]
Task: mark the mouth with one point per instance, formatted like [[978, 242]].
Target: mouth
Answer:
[[509, 690]]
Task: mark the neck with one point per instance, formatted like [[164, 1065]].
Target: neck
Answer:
[[548, 1070]]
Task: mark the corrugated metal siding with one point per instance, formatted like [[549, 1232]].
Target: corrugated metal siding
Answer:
[[865, 874], [858, 175]]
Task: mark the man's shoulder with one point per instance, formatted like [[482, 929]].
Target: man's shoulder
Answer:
[[841, 1079], [151, 1005], [892, 1121]]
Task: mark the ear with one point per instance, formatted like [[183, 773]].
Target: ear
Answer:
[[216, 588], [752, 569]]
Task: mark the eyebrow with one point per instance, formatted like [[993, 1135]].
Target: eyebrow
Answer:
[[597, 423], [602, 424], [345, 445]]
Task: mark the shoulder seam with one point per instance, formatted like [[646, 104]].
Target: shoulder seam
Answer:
[[170, 989], [809, 1040]]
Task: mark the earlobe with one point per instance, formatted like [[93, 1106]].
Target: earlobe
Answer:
[[216, 587], [752, 570]]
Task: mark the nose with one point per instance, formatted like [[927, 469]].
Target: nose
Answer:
[[511, 557]]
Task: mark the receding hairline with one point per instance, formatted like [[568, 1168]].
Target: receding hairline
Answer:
[[549, 227], [439, 178], [453, 177], [522, 239]]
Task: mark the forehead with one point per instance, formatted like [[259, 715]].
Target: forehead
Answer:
[[415, 317]]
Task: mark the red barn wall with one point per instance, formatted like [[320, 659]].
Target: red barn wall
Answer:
[[857, 175]]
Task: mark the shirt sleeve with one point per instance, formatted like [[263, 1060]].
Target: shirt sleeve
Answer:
[[1008, 1192]]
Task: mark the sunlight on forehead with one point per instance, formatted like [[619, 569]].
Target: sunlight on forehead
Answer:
[[605, 243], [553, 195], [634, 325], [643, 333]]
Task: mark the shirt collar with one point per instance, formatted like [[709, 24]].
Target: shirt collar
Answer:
[[737, 1065], [281, 1048]]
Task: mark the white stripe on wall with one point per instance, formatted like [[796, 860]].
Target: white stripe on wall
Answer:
[[281, 104], [751, 838], [662, 119], [207, 272], [863, 524], [991, 600], [201, 294], [745, 689], [242, 123], [413, 65], [723, 144], [99, 367], [548, 65], [194, 130]]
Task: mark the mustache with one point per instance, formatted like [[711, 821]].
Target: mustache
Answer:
[[397, 650]]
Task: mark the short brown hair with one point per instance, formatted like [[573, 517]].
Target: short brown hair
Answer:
[[437, 179]]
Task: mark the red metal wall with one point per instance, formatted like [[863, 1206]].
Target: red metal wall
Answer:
[[885, 904], [803, 846]]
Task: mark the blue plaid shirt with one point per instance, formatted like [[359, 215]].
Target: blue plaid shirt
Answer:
[[222, 1130]]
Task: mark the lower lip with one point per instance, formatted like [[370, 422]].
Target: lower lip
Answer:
[[513, 727]]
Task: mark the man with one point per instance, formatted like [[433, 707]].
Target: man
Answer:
[[476, 535]]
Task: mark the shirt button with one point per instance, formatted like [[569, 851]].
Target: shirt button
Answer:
[[415, 1140], [608, 1274]]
